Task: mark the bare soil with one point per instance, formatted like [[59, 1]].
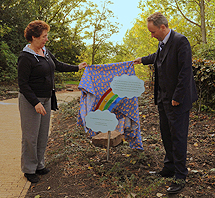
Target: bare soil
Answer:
[[80, 170]]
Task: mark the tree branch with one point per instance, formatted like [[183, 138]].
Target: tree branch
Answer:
[[185, 16]]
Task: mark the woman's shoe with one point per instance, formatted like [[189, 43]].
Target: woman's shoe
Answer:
[[33, 178], [42, 171]]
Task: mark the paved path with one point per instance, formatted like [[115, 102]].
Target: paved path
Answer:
[[12, 182]]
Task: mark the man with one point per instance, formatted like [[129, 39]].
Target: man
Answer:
[[174, 93]]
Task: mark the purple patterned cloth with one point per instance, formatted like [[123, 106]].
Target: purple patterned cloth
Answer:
[[94, 83]]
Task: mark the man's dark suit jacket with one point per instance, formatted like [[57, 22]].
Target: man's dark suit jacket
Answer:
[[174, 72]]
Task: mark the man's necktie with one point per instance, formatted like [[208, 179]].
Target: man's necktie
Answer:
[[161, 45]]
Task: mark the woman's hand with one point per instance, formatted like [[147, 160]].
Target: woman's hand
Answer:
[[40, 109], [174, 103], [82, 65]]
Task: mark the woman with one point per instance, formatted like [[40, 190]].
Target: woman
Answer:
[[36, 67]]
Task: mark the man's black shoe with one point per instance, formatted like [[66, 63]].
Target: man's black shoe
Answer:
[[176, 187], [166, 173], [42, 171], [33, 178]]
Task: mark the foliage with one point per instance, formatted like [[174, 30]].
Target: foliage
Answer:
[[101, 27], [138, 40], [72, 82], [8, 60], [64, 42], [205, 51], [188, 24], [8, 70], [204, 73], [17, 14], [107, 53], [61, 77], [15, 19], [67, 47], [65, 39], [73, 21], [4, 30], [197, 14], [185, 20]]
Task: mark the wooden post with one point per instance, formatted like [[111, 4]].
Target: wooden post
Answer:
[[108, 146]]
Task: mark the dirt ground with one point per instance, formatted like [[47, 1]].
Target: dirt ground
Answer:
[[80, 170]]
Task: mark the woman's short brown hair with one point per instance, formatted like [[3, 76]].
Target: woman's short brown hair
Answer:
[[35, 28]]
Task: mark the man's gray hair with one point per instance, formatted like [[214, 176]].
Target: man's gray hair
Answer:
[[158, 19]]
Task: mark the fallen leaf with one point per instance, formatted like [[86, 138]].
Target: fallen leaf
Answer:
[[194, 171], [196, 144], [159, 195], [131, 195], [133, 162]]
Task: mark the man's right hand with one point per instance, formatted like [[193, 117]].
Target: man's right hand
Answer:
[[137, 61]]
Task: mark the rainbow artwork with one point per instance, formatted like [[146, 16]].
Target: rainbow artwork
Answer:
[[108, 101], [97, 94]]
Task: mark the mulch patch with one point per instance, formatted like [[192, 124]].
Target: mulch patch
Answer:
[[79, 169]]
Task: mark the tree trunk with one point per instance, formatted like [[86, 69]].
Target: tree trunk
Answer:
[[94, 47], [203, 27]]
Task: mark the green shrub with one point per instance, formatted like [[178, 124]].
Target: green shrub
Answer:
[[204, 74], [61, 77], [8, 64], [205, 51]]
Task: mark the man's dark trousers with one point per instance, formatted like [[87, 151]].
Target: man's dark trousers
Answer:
[[174, 132]]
